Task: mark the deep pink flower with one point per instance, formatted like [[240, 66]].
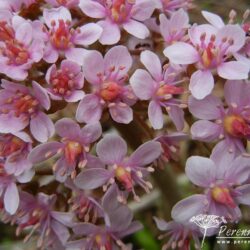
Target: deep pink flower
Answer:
[[62, 38], [66, 3], [169, 6], [38, 215], [223, 178], [14, 150], [118, 221], [118, 170], [158, 86], [119, 13], [73, 150], [21, 106], [210, 49], [232, 124], [66, 82], [8, 187], [19, 46], [108, 78]]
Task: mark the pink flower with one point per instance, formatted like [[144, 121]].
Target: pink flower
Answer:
[[38, 215], [8, 187], [14, 150], [158, 86], [169, 6], [21, 106], [108, 77], [118, 223], [66, 3], [20, 47], [73, 150], [62, 38], [66, 82], [210, 49], [223, 179], [232, 124], [174, 29], [170, 147], [119, 13], [118, 170], [180, 234]]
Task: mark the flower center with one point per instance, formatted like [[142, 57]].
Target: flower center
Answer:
[[166, 90], [222, 195], [61, 36], [110, 91], [236, 126], [123, 178], [16, 52], [62, 82], [103, 242], [213, 53], [120, 10], [72, 151], [9, 144], [21, 103], [6, 32]]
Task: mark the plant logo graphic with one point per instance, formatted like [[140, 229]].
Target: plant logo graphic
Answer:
[[206, 221]]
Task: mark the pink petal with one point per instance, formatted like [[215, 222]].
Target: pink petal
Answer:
[[237, 92], [155, 115], [111, 149], [208, 108], [177, 116], [93, 65], [201, 171], [152, 63], [50, 54], [121, 113], [111, 33], [201, 84], [24, 33], [145, 154], [234, 70], [41, 127], [41, 95], [12, 124], [181, 53], [244, 197], [118, 57], [56, 14], [234, 32], [75, 96], [143, 9], [213, 19], [89, 109], [68, 128], [90, 33], [142, 84], [136, 29], [207, 131], [11, 198], [44, 151], [92, 178], [185, 209], [91, 132], [92, 9], [76, 55], [179, 20]]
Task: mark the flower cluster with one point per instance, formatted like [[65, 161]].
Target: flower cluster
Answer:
[[98, 96]]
